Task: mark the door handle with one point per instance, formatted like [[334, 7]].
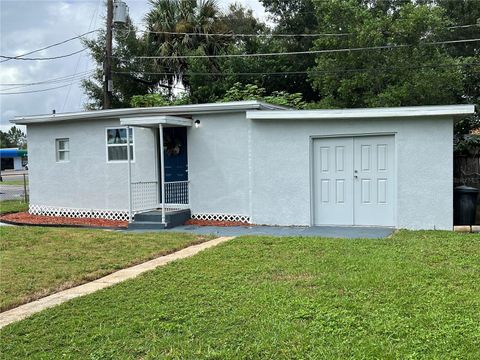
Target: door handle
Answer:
[[355, 174]]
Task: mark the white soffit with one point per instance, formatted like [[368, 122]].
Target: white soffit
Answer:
[[393, 112], [150, 121]]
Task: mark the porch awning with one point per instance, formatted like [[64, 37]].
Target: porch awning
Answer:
[[154, 121]]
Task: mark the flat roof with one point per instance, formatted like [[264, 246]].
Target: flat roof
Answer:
[[256, 110], [386, 112], [180, 110]]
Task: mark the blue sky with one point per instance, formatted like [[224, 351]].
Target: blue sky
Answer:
[[29, 25]]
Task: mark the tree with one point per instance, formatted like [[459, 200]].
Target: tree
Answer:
[[292, 17], [240, 92], [198, 23], [14, 137], [150, 100], [407, 75], [130, 76]]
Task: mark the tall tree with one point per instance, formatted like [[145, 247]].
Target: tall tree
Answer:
[[292, 17], [130, 77], [238, 20], [184, 27], [14, 137], [408, 73]]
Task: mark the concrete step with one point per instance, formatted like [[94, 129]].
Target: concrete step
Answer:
[[153, 216], [146, 225], [147, 220]]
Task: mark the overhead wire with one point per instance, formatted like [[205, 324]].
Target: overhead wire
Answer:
[[49, 82], [325, 51], [42, 81], [267, 35], [34, 91], [43, 58], [313, 72], [46, 47], [79, 58]]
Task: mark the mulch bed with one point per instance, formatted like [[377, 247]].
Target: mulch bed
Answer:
[[24, 218], [215, 223]]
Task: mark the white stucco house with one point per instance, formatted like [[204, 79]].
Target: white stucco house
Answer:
[[248, 161]]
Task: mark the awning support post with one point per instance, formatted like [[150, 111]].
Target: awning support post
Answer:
[[129, 158], [162, 170]]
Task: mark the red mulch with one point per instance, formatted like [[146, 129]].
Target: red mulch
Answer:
[[215, 223], [26, 218]]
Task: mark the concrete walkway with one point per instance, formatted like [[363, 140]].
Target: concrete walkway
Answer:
[[350, 232], [33, 307]]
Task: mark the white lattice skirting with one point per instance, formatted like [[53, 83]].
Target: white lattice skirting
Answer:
[[221, 217], [78, 213]]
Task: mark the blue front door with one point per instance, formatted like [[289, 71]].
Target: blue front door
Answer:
[[175, 152]]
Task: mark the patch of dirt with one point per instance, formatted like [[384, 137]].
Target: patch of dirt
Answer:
[[29, 219], [215, 223]]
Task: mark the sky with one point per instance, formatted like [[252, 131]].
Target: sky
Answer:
[[33, 24]]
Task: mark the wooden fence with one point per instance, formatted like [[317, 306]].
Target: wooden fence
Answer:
[[466, 171]]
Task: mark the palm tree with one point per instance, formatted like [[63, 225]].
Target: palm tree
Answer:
[[198, 21]]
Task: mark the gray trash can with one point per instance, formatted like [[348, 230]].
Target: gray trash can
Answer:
[[465, 205]]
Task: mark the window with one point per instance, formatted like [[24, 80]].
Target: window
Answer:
[[117, 144], [63, 150]]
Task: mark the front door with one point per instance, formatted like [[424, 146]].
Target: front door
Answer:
[[354, 181], [175, 152]]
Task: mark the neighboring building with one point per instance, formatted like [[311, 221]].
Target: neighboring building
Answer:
[[13, 159], [249, 161]]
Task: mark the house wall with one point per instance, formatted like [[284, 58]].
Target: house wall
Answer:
[[258, 170], [218, 165], [87, 181], [281, 168]]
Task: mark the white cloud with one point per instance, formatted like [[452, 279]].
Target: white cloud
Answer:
[[27, 25]]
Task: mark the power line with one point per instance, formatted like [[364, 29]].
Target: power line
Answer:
[[66, 77], [42, 58], [282, 73], [46, 47], [233, 35], [35, 91], [53, 81], [79, 58], [313, 72], [301, 52], [463, 26]]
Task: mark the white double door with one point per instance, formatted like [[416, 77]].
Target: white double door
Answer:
[[354, 181]]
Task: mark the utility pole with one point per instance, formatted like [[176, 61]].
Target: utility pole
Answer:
[[107, 65]]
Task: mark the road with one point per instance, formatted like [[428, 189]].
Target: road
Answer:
[[13, 191]]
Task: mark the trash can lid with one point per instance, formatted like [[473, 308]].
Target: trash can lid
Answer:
[[466, 189]]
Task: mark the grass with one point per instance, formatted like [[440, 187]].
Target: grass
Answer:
[[415, 295], [9, 206], [12, 182], [37, 261]]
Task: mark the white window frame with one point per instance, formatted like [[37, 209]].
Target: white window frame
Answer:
[[58, 150], [132, 144]]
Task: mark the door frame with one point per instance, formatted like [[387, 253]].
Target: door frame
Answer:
[[312, 138]]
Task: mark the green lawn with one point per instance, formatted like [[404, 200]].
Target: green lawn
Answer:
[[12, 182], [38, 261], [8, 206], [415, 295]]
